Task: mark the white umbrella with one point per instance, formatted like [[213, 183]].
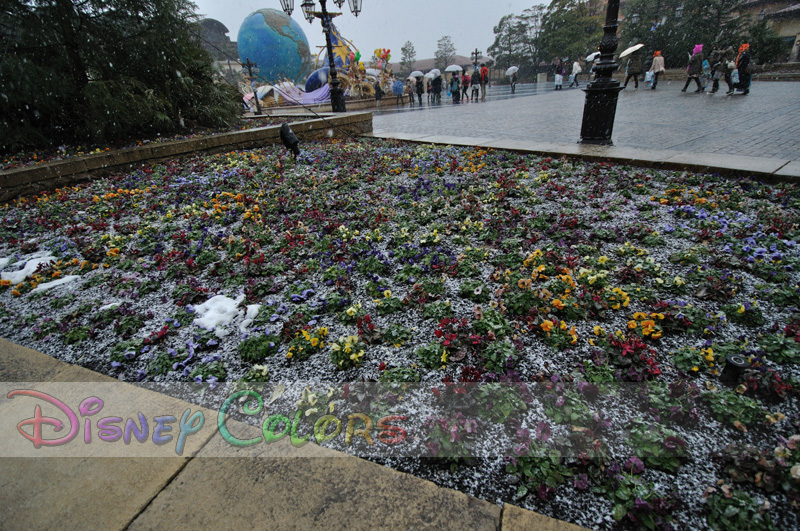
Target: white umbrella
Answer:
[[453, 68], [592, 56], [415, 73], [435, 72], [512, 70], [430, 75], [628, 51]]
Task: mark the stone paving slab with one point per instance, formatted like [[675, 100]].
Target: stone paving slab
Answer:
[[217, 485], [765, 123], [792, 169]]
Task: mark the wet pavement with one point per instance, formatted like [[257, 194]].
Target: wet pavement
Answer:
[[764, 123]]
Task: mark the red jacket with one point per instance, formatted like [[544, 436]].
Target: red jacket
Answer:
[[484, 74]]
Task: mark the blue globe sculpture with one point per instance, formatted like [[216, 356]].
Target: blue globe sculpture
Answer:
[[277, 44], [317, 79]]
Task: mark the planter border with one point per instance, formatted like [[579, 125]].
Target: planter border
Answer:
[[20, 182]]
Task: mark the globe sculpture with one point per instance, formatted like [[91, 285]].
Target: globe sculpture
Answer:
[[317, 79], [277, 44]]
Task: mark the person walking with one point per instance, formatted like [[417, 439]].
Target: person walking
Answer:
[[455, 88], [465, 80], [398, 88], [721, 67], [411, 89], [744, 67], [484, 80], [420, 86], [657, 68], [378, 91], [558, 74], [513, 82], [475, 83], [437, 89], [695, 68], [576, 69], [634, 69]]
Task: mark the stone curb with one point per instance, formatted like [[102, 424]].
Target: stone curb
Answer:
[[32, 179], [279, 486], [769, 169]]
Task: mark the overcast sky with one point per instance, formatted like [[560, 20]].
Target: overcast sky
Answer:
[[389, 24]]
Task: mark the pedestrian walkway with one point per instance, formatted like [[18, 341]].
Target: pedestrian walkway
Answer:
[[763, 124], [214, 485]]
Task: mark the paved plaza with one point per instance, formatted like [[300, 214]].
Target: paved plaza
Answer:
[[765, 123]]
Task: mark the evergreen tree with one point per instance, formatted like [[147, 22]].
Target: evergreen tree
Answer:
[[765, 45], [104, 70], [445, 53], [571, 28], [408, 57], [516, 40]]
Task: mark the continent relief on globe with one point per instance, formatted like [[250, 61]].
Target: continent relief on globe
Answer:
[[277, 44]]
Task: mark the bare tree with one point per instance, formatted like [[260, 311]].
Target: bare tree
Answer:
[[445, 52], [409, 56]]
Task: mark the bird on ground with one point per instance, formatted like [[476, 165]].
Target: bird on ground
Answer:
[[289, 139]]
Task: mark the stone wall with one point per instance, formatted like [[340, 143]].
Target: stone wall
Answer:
[[32, 179]]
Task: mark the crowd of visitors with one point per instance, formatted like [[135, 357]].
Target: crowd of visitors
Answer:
[[722, 63]]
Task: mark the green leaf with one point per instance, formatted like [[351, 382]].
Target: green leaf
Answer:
[[619, 512]]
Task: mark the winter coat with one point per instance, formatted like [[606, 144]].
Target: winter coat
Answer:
[[420, 86], [635, 63], [576, 68], [696, 65], [658, 65], [743, 63], [476, 78], [437, 85]]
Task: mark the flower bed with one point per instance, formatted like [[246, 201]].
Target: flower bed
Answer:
[[625, 295]]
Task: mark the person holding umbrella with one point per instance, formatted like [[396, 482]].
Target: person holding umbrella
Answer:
[[455, 88], [420, 88], [437, 88], [634, 69], [398, 88]]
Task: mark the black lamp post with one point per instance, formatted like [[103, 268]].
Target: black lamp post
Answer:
[[602, 93], [337, 94]]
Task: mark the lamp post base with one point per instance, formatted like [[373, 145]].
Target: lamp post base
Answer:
[[337, 99], [598, 113]]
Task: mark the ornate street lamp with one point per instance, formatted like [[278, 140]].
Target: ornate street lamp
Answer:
[[309, 11], [601, 94], [288, 6]]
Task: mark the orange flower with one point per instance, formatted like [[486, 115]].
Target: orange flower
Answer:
[[558, 304], [632, 324], [547, 325], [524, 283]]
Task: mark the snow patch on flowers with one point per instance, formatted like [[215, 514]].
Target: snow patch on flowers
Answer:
[[30, 267], [249, 316], [218, 312], [49, 285]]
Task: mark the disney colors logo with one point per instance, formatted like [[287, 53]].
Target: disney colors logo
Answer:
[[111, 429]]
